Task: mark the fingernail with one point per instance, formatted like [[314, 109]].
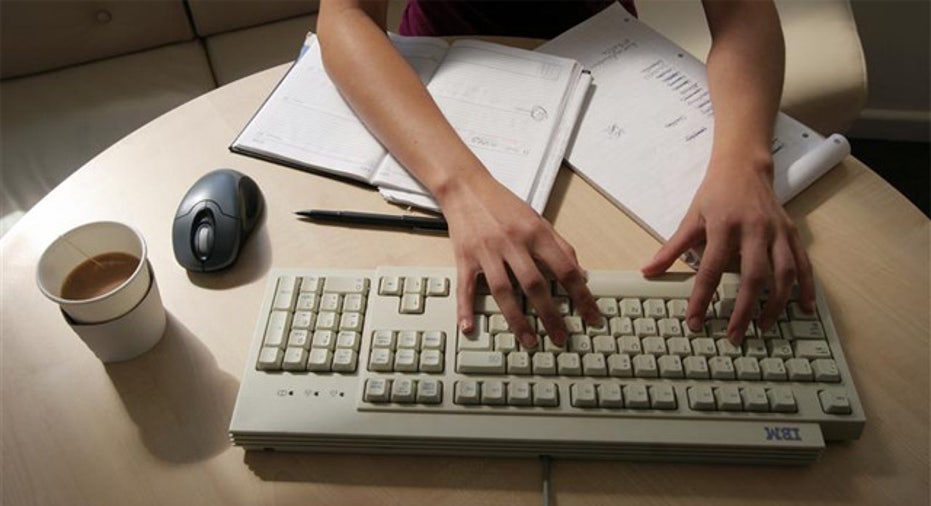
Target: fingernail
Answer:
[[465, 326], [559, 338], [695, 323], [765, 324], [734, 337], [528, 340]]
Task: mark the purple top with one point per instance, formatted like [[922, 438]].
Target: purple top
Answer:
[[540, 20]]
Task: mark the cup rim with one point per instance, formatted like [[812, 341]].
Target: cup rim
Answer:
[[78, 302]]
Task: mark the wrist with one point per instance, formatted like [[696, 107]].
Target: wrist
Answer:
[[460, 183], [743, 162]]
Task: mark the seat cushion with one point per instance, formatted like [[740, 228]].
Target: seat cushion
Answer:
[[237, 54], [41, 36], [217, 16], [825, 80], [53, 123]]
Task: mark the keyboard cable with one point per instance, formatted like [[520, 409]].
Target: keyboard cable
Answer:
[[545, 461]]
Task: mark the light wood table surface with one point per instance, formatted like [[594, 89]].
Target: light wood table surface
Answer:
[[154, 430]]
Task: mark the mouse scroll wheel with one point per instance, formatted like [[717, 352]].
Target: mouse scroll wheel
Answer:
[[203, 240]]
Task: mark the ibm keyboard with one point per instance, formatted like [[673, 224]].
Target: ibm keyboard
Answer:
[[371, 361]]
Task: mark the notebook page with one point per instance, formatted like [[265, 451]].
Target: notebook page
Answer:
[[504, 103], [306, 121], [645, 137]]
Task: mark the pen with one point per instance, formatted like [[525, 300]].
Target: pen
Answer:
[[371, 219]]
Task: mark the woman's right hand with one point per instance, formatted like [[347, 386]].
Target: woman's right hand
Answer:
[[498, 235]]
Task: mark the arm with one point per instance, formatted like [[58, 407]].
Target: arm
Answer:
[[735, 211], [493, 231]]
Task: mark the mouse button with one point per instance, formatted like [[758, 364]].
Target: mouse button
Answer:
[[227, 237], [203, 240]]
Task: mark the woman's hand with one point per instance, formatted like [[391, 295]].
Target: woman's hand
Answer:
[[495, 233], [736, 214]]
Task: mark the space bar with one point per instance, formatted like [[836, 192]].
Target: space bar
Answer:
[[480, 362]]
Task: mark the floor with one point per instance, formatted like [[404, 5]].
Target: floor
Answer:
[[904, 165]]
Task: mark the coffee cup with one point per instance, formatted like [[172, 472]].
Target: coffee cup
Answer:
[[101, 279]]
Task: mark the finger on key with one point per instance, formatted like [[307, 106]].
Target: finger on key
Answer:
[[715, 258], [537, 289], [465, 297], [784, 274], [500, 285], [806, 279], [754, 271], [564, 265]]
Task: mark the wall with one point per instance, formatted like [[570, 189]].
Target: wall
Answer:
[[896, 41]]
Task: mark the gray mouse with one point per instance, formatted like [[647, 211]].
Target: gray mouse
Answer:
[[214, 219]]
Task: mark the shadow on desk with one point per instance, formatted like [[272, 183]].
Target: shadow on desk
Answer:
[[448, 473], [177, 396]]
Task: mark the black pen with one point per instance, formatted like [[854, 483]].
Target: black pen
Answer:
[[379, 220]]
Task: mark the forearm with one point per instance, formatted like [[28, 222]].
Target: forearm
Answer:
[[388, 96], [745, 74]]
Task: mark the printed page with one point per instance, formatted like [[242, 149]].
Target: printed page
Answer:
[[644, 139], [504, 103], [306, 122]]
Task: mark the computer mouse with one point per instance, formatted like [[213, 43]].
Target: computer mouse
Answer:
[[214, 219]]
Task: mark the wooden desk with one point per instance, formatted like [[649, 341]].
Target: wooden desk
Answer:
[[153, 430]]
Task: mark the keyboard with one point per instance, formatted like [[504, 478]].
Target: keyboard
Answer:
[[371, 361]]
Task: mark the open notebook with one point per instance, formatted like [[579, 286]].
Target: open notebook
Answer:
[[644, 138], [514, 108]]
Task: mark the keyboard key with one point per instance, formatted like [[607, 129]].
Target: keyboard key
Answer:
[[621, 326], [390, 285], [429, 391], [679, 346], [655, 346], [497, 324], [544, 363], [505, 342], [721, 368], [754, 399], [654, 308], [295, 359], [467, 392], [609, 396], [797, 313], [351, 321], [549, 345], [645, 366], [704, 347], [812, 349], [779, 348], [335, 284], [474, 341], [270, 358], [630, 308], [311, 284], [354, 303], [519, 393], [324, 339], [433, 340], [594, 364], [696, 367], [285, 293], [411, 303], [409, 339], [800, 329], [414, 284], [307, 302], [774, 369], [604, 344], [406, 360], [727, 348], [748, 369], [348, 340], [276, 328], [569, 364], [438, 287], [403, 390], [835, 402], [344, 360], [620, 366], [663, 397], [645, 327], [519, 362], [303, 320], [781, 400], [701, 398], [331, 302], [825, 370], [676, 308], [383, 339], [582, 395], [431, 361], [480, 362], [629, 345], [669, 327], [755, 348], [299, 338], [377, 390], [545, 394], [728, 398], [799, 369], [319, 359], [327, 320], [636, 397], [381, 360], [580, 343], [608, 307], [670, 366], [493, 392]]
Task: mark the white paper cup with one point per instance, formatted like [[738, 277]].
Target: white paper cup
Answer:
[[125, 321]]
